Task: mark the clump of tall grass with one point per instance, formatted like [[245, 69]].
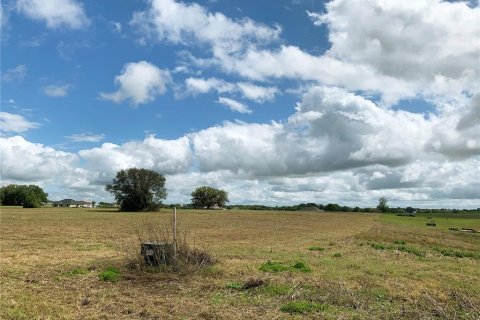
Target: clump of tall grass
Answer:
[[183, 258]]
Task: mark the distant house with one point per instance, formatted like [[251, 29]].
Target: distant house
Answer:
[[70, 203]]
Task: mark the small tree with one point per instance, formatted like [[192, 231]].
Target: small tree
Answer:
[[382, 204], [207, 197], [138, 189]]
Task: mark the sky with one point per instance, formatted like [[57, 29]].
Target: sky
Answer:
[[276, 102]]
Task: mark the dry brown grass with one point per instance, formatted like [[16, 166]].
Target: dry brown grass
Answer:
[[51, 260]]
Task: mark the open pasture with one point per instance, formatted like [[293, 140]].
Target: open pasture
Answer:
[[74, 264]]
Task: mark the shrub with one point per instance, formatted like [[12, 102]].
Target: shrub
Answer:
[[184, 259]]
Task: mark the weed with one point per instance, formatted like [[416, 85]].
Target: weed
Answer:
[[302, 307], [271, 266], [277, 289], [316, 248], [234, 285], [301, 266], [399, 242], [110, 274], [76, 271], [337, 255], [378, 246], [458, 253], [412, 250]]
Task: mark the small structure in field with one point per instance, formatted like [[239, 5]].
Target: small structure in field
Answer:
[[157, 254], [431, 224], [70, 203]]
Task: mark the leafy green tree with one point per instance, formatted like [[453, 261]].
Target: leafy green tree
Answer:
[[382, 204], [138, 189], [207, 197], [28, 196]]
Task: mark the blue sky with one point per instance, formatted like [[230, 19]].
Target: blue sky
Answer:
[[276, 102]]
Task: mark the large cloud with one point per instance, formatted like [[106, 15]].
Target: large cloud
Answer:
[[332, 129], [56, 13], [165, 156], [140, 82], [186, 23], [365, 55], [425, 42], [26, 161]]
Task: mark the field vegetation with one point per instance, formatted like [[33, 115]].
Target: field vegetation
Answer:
[[59, 263]]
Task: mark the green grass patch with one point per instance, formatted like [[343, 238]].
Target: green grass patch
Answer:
[[316, 248], [412, 250], [337, 255], [76, 272], [458, 253], [110, 274], [276, 289], [400, 246], [234, 285], [378, 246], [272, 266], [302, 307]]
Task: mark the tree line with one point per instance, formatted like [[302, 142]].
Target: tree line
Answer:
[[137, 189], [27, 196]]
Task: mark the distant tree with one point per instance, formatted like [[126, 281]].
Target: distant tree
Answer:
[[332, 207], [382, 204], [138, 189], [207, 197], [28, 196]]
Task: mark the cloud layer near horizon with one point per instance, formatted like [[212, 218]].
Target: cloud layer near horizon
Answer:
[[333, 133], [349, 138]]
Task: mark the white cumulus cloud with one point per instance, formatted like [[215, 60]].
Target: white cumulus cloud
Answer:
[[140, 82], [55, 13]]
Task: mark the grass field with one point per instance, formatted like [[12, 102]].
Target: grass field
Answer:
[[73, 264]]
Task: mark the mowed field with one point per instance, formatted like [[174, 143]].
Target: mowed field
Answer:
[[338, 266]]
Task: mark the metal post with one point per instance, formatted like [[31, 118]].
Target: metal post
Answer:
[[175, 230]]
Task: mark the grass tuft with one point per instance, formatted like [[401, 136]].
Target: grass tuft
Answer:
[[316, 248], [302, 307], [271, 266], [110, 274], [337, 255]]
